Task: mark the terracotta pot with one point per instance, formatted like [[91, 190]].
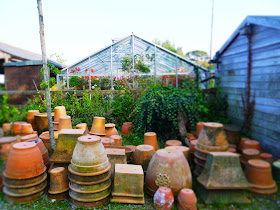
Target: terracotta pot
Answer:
[[276, 171], [192, 146], [191, 136], [58, 112], [42, 122], [107, 141], [127, 128], [55, 126], [64, 123], [89, 180], [29, 137], [258, 174], [26, 199], [6, 144], [248, 154], [89, 170], [45, 137], [133, 147], [24, 183], [31, 115], [25, 191], [163, 198], [233, 133], [183, 149], [89, 204], [187, 200], [199, 127], [110, 129], [59, 197], [58, 180], [89, 197], [39, 143], [150, 138], [128, 151], [80, 188], [98, 126], [267, 157], [31, 163], [168, 169], [173, 143], [17, 127], [26, 129], [82, 126], [241, 144], [143, 154], [233, 150], [117, 139], [252, 144], [7, 128]]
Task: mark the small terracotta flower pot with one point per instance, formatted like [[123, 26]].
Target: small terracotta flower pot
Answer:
[[42, 122], [31, 115], [187, 200], [183, 149], [17, 127], [110, 129], [29, 137], [82, 126], [192, 146], [173, 143], [117, 139], [199, 127], [143, 154], [64, 123], [26, 129], [6, 144], [163, 198], [252, 144], [127, 128], [7, 128], [150, 138], [98, 126], [58, 181], [107, 141], [30, 164], [58, 112], [267, 157]]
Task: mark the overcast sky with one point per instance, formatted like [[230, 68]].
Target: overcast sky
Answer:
[[79, 28]]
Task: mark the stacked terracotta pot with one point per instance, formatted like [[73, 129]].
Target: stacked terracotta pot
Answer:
[[58, 112], [43, 150], [24, 176], [31, 118], [211, 139], [89, 173]]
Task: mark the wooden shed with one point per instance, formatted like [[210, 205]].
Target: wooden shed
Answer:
[[249, 67]]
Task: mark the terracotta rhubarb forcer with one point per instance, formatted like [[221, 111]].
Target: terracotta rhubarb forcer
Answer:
[[267, 157], [233, 133], [6, 144], [183, 149], [143, 154], [150, 138], [42, 122], [98, 126], [30, 164], [168, 169], [7, 128], [58, 181], [163, 199], [173, 143], [83, 126], [110, 129], [187, 200], [199, 127], [252, 144], [127, 128], [107, 141], [258, 174], [117, 139]]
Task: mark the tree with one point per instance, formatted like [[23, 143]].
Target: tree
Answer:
[[169, 46]]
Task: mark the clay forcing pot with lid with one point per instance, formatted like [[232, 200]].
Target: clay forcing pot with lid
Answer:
[[143, 154], [30, 164], [168, 169], [58, 180], [127, 127], [173, 143], [150, 138], [98, 126], [110, 129], [163, 198], [187, 200], [6, 144], [82, 126]]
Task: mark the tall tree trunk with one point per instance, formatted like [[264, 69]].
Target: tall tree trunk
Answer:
[[46, 75]]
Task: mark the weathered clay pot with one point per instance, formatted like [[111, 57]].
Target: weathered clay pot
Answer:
[[89, 204], [199, 127], [168, 169], [89, 180], [241, 144], [42, 122], [267, 157], [163, 198], [183, 149], [58, 112], [17, 127], [127, 127], [110, 129], [107, 141], [192, 146], [133, 147], [64, 123], [59, 197], [7, 128], [252, 144], [26, 129], [143, 154], [187, 200], [89, 170], [30, 164], [128, 151], [25, 191], [248, 154], [90, 197], [26, 199], [31, 115], [58, 180], [173, 143], [117, 139], [233, 133], [29, 137], [82, 126], [94, 188], [6, 144], [39, 143], [258, 174], [45, 137], [150, 138], [98, 126]]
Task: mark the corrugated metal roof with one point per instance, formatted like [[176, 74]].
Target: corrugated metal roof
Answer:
[[34, 63]]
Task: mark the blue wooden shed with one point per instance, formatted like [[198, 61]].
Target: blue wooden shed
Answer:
[[248, 65]]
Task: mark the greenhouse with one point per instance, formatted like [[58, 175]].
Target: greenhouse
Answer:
[[135, 59]]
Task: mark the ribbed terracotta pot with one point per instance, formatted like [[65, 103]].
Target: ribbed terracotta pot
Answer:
[[29, 137], [31, 116], [89, 180], [187, 200], [7, 128], [252, 144], [267, 157], [58, 181], [26, 199], [17, 127], [163, 198], [89, 204], [183, 149], [89, 197], [107, 141], [98, 126], [26, 129], [150, 138], [233, 133], [110, 129], [6, 144], [127, 128], [168, 169], [64, 123], [143, 154], [42, 122], [25, 191], [241, 144], [30, 164], [199, 127], [82, 126], [58, 112], [173, 143], [82, 188], [117, 139]]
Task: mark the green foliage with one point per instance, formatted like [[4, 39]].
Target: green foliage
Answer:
[[170, 46], [133, 139], [141, 63], [52, 80]]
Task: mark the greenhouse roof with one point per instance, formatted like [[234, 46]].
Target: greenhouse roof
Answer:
[[107, 61]]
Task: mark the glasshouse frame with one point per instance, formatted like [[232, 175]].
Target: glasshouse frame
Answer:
[[108, 62]]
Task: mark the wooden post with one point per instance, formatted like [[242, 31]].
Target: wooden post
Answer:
[[46, 74]]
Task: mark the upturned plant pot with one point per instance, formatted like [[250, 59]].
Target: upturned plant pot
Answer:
[[163, 199], [173, 143], [42, 122], [64, 123], [24, 183], [187, 200], [89, 197], [168, 169], [26, 129], [267, 157], [29, 137], [127, 128], [89, 180], [17, 127], [7, 128], [110, 129], [252, 144], [233, 133], [25, 191], [83, 126], [58, 112], [45, 137], [94, 188], [150, 138], [39, 143], [117, 139], [98, 126], [26, 199], [107, 141], [58, 181], [199, 127], [143, 155], [89, 204], [241, 144], [89, 170], [248, 154], [6, 144], [30, 164], [31, 115]]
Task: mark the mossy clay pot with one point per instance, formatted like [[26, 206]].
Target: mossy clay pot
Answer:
[[58, 112], [58, 180]]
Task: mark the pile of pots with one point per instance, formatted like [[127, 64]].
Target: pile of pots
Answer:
[[89, 173], [24, 180], [31, 118], [43, 150]]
